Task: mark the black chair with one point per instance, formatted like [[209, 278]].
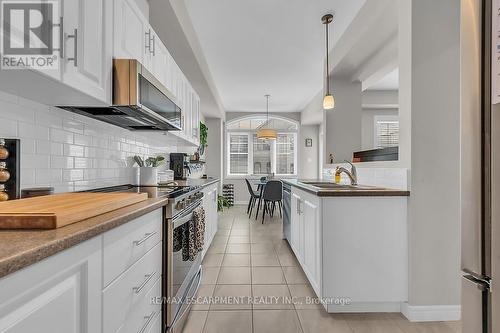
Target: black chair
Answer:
[[273, 193], [253, 197]]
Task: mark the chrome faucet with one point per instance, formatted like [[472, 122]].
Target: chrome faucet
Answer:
[[353, 176]]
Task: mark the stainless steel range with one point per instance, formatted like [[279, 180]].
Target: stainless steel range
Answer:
[[181, 277]]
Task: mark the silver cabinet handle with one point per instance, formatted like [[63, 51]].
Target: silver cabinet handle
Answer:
[[154, 45], [147, 41], [146, 324], [145, 238], [75, 47], [144, 283], [61, 37]]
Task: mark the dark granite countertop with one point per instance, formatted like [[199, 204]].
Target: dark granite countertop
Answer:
[[198, 182], [346, 191], [21, 248]]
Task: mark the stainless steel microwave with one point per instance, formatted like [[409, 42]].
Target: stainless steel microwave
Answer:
[[140, 101]]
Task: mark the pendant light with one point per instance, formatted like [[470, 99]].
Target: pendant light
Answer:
[[328, 100], [264, 131]]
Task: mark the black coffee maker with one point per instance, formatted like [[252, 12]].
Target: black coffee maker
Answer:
[[179, 164]]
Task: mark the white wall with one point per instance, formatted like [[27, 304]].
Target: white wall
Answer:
[[434, 205], [368, 125], [72, 152], [214, 150], [343, 124], [308, 156]]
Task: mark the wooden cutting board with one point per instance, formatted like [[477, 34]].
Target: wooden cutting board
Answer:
[[58, 210]]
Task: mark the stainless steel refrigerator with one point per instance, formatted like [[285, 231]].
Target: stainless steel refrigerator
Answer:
[[480, 170]]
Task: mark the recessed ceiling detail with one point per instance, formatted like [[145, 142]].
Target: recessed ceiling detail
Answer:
[[259, 46]]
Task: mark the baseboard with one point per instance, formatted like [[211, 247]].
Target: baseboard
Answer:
[[365, 307], [419, 313]]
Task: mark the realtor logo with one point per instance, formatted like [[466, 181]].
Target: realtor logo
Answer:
[[27, 34]]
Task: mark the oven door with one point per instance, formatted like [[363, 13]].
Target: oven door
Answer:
[[185, 275]]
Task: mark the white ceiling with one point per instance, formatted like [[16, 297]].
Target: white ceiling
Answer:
[[389, 82], [257, 47]]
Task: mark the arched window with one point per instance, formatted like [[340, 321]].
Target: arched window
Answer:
[[248, 155]]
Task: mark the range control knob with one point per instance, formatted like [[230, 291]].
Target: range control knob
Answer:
[[180, 205]]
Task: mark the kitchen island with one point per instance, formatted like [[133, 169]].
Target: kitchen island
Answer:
[[351, 242]]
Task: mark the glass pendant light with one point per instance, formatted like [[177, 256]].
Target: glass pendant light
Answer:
[[328, 100], [265, 132]]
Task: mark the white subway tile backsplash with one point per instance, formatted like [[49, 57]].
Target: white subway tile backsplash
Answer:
[[27, 177], [31, 131], [73, 126], [48, 176], [28, 146], [61, 162], [83, 140], [83, 163], [35, 161], [8, 127], [72, 152], [71, 175], [58, 135], [56, 149], [42, 147]]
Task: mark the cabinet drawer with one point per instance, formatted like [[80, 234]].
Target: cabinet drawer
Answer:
[[125, 294], [146, 315], [123, 246]]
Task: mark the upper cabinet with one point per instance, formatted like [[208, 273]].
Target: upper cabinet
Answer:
[[134, 38], [83, 50], [87, 51], [130, 32]]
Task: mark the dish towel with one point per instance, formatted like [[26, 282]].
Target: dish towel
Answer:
[[199, 222], [192, 235]]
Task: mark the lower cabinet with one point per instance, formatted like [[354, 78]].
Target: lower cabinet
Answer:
[[66, 292], [59, 294], [210, 194], [306, 235]]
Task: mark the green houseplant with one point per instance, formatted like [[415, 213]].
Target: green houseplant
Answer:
[[221, 203], [203, 138]]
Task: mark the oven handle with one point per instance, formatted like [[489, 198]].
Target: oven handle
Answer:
[[180, 220], [188, 307]]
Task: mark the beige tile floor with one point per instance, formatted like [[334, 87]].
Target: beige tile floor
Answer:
[[248, 259]]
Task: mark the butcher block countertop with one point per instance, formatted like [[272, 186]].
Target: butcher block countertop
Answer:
[[21, 248]]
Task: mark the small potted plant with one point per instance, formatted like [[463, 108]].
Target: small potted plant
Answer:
[[148, 170]]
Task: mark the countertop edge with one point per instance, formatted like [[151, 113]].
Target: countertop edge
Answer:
[[22, 259], [346, 193]]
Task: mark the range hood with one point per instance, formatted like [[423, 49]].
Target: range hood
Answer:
[[140, 101]]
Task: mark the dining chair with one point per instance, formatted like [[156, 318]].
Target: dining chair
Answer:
[[272, 194], [253, 197]]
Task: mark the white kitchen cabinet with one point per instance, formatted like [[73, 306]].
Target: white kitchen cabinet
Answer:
[[306, 235], [210, 194], [131, 39], [59, 294], [295, 222], [311, 224], [87, 62], [67, 293]]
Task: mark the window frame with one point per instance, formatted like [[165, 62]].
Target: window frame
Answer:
[[383, 118], [273, 152]]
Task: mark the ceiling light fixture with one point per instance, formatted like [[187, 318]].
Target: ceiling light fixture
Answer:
[[264, 132], [328, 100]]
